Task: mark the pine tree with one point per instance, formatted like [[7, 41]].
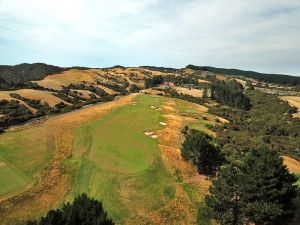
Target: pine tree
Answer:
[[205, 93], [198, 149], [83, 211], [267, 189], [259, 190], [224, 197]]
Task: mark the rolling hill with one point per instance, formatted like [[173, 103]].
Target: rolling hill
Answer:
[[116, 134]]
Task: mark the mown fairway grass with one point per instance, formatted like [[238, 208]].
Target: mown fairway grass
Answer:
[[23, 155], [118, 164]]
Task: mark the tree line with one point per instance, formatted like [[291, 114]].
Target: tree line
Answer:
[[264, 77], [254, 188], [230, 93]]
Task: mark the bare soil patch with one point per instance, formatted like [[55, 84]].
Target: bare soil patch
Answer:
[[293, 101]]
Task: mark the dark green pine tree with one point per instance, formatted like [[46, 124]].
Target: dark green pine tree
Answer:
[[83, 211], [198, 149], [224, 197], [267, 188], [259, 190], [205, 93]]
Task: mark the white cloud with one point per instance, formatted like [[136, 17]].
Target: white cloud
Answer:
[[249, 34]]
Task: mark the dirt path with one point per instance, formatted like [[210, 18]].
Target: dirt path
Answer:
[[54, 183]]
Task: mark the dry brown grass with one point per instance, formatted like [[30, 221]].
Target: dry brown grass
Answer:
[[56, 81], [84, 93], [45, 96], [292, 164], [204, 81], [193, 92], [242, 82], [221, 77], [293, 101], [169, 143], [4, 95], [188, 71], [107, 90], [91, 76], [152, 91]]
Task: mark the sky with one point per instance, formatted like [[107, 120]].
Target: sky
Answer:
[[259, 35]]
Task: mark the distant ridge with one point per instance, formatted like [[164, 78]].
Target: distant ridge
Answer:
[[27, 72], [265, 77]]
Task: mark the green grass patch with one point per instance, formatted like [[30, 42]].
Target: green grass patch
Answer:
[[204, 213], [202, 125], [11, 180], [298, 182], [25, 154]]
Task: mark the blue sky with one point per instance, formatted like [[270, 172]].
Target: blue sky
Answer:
[[261, 35]]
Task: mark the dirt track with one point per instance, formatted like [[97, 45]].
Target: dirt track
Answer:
[[54, 183]]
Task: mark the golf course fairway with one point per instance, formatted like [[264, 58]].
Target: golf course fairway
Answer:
[[117, 163]]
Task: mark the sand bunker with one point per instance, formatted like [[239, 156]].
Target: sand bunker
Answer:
[[162, 123], [148, 133]]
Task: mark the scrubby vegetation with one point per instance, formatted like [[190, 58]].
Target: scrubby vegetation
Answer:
[[257, 189], [269, 122], [42, 108], [154, 81], [27, 72], [83, 211], [270, 78], [14, 113]]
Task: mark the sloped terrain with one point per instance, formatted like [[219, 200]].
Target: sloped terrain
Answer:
[[112, 159]]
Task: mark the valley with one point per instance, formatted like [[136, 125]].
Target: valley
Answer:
[[116, 134]]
